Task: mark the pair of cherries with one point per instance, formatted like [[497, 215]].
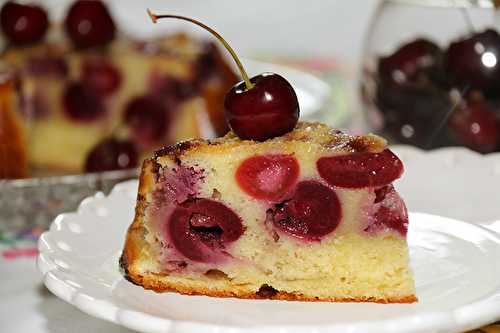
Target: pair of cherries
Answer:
[[88, 23]]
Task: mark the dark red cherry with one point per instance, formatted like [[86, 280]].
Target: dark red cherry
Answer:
[[170, 89], [267, 177], [473, 62], [475, 126], [408, 61], [47, 65], [313, 212], [259, 108], [112, 154], [147, 118], [82, 103], [201, 229], [360, 169], [269, 109], [23, 23], [101, 75], [89, 24]]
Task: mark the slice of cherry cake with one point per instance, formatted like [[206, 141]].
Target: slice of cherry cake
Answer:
[[310, 215]]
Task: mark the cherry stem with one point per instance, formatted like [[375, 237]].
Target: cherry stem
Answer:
[[248, 84]]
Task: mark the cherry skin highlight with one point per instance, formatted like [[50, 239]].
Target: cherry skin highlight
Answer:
[[23, 23], [112, 154], [313, 212], [89, 24], [360, 169], [200, 229], [267, 177]]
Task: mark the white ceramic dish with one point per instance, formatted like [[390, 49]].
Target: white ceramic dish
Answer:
[[456, 263]]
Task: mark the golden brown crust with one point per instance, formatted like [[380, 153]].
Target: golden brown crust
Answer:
[[151, 282]]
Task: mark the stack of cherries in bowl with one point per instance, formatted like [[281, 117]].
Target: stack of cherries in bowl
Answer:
[[432, 96]]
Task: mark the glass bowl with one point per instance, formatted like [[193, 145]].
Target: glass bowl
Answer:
[[431, 73]]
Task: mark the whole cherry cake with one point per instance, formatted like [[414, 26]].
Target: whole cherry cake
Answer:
[[92, 99], [275, 209]]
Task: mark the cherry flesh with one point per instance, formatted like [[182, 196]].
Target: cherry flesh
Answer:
[[268, 177], [200, 229], [147, 118], [89, 24], [409, 61], [267, 110], [48, 65], [112, 154], [101, 75], [23, 23], [82, 103], [475, 126], [360, 169], [313, 212], [391, 212], [473, 62]]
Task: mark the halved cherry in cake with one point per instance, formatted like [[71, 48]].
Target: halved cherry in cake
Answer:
[[82, 103], [201, 228], [313, 212], [360, 169], [391, 212], [268, 177], [147, 118], [101, 75]]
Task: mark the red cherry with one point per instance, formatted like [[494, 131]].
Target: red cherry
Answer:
[[101, 75], [111, 154], [89, 24], [81, 103], [23, 23], [360, 169], [473, 62], [268, 177], [475, 125], [408, 61], [201, 229], [147, 118], [259, 108], [267, 110], [390, 213], [313, 212], [47, 65]]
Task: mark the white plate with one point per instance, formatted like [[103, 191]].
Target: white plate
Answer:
[[456, 263]]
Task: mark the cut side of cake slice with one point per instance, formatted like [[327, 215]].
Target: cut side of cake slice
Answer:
[[311, 215]]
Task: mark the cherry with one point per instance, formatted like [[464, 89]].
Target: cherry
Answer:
[[147, 118], [81, 103], [473, 62], [259, 108], [475, 126], [390, 212], [47, 65], [23, 23], [200, 229], [172, 90], [267, 177], [101, 75], [112, 154], [360, 169], [313, 212], [89, 24], [409, 61]]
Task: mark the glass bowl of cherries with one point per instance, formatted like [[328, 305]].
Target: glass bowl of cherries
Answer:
[[431, 73]]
